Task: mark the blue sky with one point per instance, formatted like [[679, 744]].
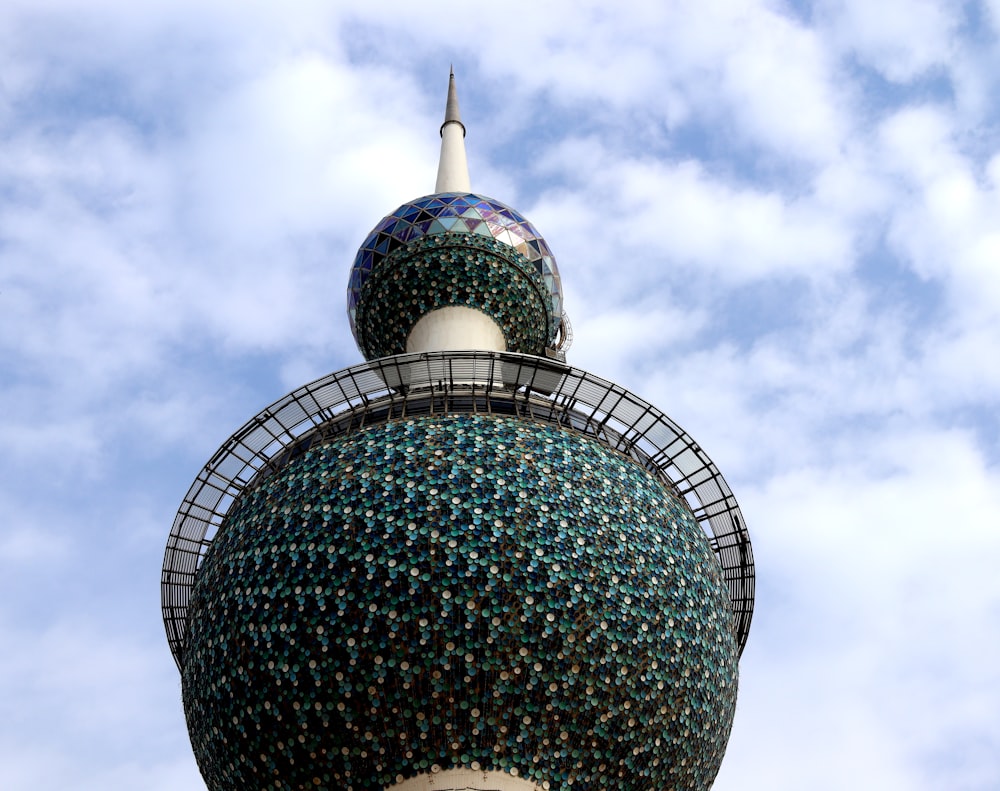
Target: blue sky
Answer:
[[778, 222]]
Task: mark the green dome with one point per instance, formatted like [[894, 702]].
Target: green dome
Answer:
[[459, 590]]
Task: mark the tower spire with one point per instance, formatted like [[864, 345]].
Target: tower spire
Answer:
[[453, 169]]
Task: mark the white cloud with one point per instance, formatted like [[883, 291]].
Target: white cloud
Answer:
[[649, 214], [876, 562], [784, 88], [302, 147], [613, 342], [901, 39], [945, 223]]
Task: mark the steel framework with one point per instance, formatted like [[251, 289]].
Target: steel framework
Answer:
[[531, 387]]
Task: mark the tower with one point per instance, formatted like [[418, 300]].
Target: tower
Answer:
[[463, 563]]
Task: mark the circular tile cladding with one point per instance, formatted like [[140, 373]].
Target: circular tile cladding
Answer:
[[462, 590], [442, 271]]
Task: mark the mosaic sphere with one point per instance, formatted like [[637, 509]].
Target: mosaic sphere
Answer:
[[459, 590], [453, 216]]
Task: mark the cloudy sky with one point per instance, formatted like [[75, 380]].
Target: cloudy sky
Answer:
[[778, 221]]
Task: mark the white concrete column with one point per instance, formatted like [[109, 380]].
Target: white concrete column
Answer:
[[466, 780], [455, 328], [453, 168]]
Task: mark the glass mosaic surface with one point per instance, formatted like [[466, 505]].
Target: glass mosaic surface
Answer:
[[455, 213], [461, 590], [438, 271]]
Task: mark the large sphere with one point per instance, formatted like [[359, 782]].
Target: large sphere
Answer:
[[457, 219], [460, 590]]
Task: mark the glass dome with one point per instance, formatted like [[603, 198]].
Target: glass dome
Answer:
[[458, 213]]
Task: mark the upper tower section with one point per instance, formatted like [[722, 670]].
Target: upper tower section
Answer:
[[454, 270]]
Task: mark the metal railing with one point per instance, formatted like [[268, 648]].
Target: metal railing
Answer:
[[456, 382]]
